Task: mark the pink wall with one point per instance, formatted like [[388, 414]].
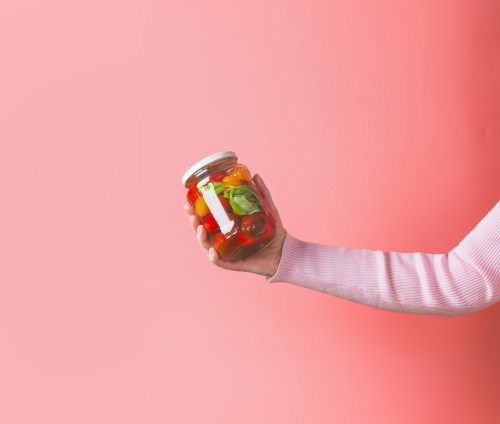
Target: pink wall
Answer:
[[376, 125]]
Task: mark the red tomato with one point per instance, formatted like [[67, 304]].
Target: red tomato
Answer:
[[211, 224], [193, 194], [254, 225], [222, 244], [242, 239], [218, 177]]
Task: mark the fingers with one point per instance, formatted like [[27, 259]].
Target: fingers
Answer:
[[267, 197], [189, 209], [201, 235], [213, 257], [193, 219], [194, 222]]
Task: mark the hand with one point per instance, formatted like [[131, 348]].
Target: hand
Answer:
[[263, 262]]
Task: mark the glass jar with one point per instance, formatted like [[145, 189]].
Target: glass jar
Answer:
[[229, 205]]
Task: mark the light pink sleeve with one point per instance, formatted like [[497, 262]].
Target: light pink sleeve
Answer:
[[464, 280]]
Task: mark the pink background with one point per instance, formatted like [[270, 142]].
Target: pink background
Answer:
[[375, 124]]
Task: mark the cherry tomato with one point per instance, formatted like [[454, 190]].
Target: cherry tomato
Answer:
[[224, 202], [222, 244], [242, 239], [231, 181], [241, 173], [193, 193], [254, 225], [211, 224], [217, 177], [201, 208]]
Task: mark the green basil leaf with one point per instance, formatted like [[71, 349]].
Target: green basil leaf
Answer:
[[243, 200], [243, 190], [237, 209], [216, 186], [243, 206]]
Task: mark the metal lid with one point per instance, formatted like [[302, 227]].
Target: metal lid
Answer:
[[206, 161]]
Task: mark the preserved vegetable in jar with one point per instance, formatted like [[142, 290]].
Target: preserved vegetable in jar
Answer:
[[229, 205]]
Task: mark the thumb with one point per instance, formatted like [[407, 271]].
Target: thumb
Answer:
[[266, 194]]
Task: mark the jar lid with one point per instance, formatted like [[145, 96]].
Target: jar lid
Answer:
[[206, 161]]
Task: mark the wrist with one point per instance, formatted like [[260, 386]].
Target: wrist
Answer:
[[277, 255]]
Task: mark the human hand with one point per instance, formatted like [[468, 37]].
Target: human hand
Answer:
[[266, 260]]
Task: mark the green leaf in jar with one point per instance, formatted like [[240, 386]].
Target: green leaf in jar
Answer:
[[216, 186], [243, 200]]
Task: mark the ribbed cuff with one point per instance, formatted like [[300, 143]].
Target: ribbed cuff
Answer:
[[290, 258]]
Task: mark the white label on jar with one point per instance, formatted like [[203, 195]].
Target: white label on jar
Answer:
[[219, 213]]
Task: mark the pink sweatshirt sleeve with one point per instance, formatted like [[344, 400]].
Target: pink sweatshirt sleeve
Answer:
[[464, 280]]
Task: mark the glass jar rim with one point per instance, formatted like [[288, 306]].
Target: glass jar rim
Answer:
[[207, 161]]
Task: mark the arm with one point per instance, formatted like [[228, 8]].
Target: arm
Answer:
[[464, 280]]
